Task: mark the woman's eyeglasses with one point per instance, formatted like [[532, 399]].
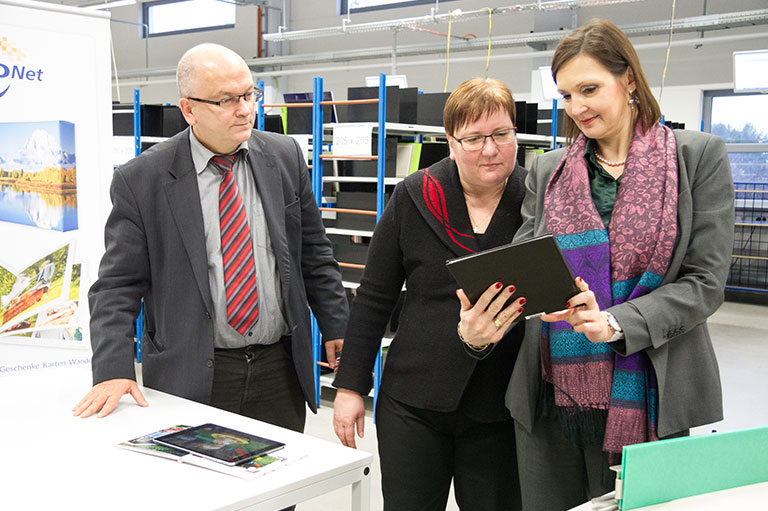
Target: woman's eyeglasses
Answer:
[[477, 142]]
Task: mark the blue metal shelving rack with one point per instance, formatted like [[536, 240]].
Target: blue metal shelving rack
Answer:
[[136, 151], [317, 189]]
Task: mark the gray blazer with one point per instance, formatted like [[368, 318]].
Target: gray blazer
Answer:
[[155, 250], [670, 322]]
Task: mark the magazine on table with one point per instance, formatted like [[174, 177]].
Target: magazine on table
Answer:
[[249, 469]]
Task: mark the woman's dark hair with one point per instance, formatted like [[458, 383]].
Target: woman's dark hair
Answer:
[[608, 45]]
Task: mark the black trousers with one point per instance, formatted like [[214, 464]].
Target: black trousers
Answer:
[[421, 451], [260, 382]]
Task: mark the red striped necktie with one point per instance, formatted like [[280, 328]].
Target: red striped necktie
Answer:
[[236, 251]]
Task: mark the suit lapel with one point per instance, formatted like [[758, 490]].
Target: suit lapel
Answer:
[[269, 185], [184, 202]]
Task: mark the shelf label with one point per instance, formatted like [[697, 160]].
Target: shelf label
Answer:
[[352, 140], [305, 142], [123, 150]]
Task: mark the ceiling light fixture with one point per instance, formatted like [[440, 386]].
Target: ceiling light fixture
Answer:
[[108, 5], [454, 16]]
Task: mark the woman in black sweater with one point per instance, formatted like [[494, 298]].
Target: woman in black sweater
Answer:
[[440, 414]]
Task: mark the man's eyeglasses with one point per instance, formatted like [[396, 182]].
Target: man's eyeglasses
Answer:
[[232, 101], [477, 142]]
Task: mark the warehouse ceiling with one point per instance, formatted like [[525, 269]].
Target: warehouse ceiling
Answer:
[[548, 27]]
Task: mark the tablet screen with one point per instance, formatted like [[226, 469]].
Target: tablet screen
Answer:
[[219, 443]]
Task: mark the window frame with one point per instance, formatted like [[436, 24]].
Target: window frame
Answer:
[[706, 121], [342, 6], [748, 262], [146, 6]]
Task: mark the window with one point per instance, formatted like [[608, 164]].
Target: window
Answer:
[[737, 119], [345, 6], [732, 117], [166, 17]]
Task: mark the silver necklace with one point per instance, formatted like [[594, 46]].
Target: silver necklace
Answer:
[[610, 163], [476, 225]]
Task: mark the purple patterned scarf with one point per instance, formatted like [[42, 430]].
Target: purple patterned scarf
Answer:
[[600, 396]]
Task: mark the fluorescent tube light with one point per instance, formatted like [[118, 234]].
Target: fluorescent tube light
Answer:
[[109, 5]]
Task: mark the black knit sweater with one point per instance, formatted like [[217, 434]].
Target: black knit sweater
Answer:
[[425, 223]]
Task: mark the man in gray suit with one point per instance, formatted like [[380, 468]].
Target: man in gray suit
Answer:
[[163, 245]]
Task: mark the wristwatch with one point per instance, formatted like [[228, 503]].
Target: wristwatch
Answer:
[[618, 333]]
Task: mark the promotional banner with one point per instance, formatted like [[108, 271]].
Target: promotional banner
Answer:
[[55, 168]]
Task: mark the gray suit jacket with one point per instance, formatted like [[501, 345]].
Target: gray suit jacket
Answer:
[[155, 250], [670, 322]]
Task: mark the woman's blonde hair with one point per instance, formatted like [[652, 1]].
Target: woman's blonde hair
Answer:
[[475, 98], [608, 45]]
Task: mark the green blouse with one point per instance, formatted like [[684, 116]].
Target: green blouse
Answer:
[[603, 185]]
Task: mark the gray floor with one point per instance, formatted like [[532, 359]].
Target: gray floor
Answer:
[[740, 337]]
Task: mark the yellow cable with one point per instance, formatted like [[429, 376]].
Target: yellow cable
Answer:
[[490, 26], [448, 52], [669, 46]]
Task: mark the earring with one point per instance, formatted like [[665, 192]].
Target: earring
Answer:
[[631, 101]]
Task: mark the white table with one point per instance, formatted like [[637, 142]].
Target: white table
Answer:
[[752, 497], [52, 460]]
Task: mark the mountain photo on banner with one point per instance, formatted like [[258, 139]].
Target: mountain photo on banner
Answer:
[[38, 178]]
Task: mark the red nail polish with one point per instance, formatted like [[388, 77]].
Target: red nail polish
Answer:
[[522, 302], [511, 289], [498, 285], [567, 305]]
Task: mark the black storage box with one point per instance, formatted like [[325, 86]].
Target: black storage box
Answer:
[[429, 111], [151, 121], [299, 118], [527, 117], [369, 112], [346, 251], [531, 118], [432, 152], [520, 113], [274, 123], [351, 274], [357, 200], [173, 121], [409, 105]]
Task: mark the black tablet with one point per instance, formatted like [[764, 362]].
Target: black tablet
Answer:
[[218, 443], [535, 267]]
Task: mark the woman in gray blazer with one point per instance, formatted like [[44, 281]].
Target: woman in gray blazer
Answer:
[[644, 218]]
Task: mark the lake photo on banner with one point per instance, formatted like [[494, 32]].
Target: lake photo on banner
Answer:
[[46, 210]]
